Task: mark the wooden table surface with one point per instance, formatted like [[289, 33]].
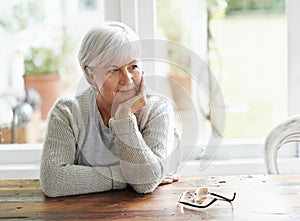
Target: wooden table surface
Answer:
[[257, 198]]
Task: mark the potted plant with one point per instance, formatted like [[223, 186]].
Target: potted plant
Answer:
[[41, 72]]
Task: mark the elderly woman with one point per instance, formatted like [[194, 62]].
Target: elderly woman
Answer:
[[111, 135]]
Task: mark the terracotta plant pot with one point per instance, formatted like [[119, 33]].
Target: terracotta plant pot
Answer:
[[49, 87]]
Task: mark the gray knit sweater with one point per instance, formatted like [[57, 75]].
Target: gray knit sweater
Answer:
[[81, 155]]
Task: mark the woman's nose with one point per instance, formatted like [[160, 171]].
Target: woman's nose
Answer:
[[126, 76]]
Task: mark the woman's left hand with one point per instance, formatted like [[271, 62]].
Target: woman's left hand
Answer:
[[169, 178], [133, 104]]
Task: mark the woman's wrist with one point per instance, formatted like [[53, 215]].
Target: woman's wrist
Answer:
[[122, 113]]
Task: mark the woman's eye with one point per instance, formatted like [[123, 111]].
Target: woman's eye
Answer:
[[133, 67], [112, 71]]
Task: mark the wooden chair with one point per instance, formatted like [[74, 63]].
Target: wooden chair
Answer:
[[286, 132]]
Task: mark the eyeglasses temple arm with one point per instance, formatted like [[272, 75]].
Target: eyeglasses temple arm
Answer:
[[224, 198]]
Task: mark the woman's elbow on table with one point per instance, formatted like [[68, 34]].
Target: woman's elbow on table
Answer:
[[49, 188], [145, 188], [51, 183], [143, 178]]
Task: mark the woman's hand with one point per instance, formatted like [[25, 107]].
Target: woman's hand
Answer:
[[169, 178], [133, 104]]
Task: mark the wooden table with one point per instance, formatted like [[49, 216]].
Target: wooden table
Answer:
[[257, 198]]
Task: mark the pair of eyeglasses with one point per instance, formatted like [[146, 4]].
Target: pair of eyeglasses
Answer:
[[200, 198]]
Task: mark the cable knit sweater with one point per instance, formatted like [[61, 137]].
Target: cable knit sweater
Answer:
[[137, 147]]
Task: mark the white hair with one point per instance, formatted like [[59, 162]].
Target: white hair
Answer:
[[110, 44]]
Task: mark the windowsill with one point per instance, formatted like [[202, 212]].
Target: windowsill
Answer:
[[217, 167], [233, 158], [239, 166]]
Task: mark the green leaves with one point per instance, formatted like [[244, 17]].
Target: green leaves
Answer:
[[41, 60]]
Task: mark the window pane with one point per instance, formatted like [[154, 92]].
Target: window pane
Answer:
[[56, 25], [248, 53]]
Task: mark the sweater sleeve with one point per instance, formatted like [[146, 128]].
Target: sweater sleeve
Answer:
[[142, 151], [59, 175]]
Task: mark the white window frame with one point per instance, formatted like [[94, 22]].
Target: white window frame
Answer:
[[292, 10], [139, 15], [293, 7]]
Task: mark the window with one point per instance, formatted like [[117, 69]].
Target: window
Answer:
[[247, 50], [247, 53], [53, 28]]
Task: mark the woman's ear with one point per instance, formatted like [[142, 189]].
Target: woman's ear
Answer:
[[90, 76]]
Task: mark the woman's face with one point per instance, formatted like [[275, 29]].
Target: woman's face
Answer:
[[117, 84]]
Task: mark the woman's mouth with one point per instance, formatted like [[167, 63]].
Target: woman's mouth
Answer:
[[127, 90]]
